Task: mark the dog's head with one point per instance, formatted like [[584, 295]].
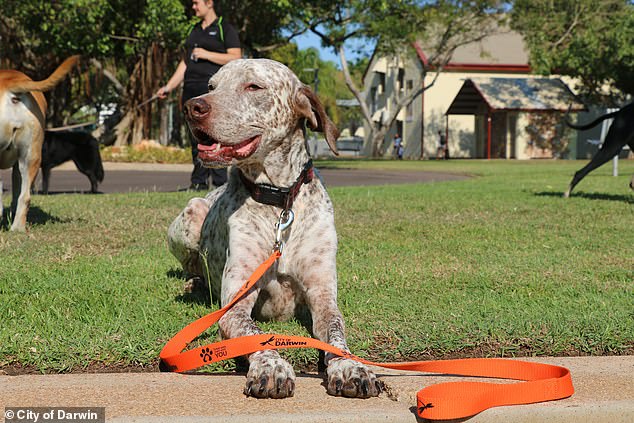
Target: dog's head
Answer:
[[252, 108]]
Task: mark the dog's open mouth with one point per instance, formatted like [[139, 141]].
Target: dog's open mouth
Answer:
[[217, 154]]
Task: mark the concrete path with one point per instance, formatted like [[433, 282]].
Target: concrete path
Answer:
[[604, 393]]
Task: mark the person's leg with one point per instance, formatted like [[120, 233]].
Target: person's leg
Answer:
[[218, 176], [200, 174]]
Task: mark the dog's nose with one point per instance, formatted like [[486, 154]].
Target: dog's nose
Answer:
[[197, 109]]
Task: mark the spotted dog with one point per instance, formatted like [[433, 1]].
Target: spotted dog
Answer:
[[226, 235], [22, 115]]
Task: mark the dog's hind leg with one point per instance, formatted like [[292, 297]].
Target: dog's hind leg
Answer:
[[90, 172], [611, 147], [631, 144], [183, 235], [21, 197], [1, 205], [46, 177]]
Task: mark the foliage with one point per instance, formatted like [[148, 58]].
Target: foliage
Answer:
[[259, 22], [330, 83], [583, 39], [147, 154], [36, 35], [393, 26]]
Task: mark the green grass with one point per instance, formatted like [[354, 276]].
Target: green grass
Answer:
[[497, 265]]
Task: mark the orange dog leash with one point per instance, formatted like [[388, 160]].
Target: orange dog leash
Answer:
[[453, 400]]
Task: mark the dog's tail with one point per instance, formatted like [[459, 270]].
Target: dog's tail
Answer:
[[25, 85], [591, 124]]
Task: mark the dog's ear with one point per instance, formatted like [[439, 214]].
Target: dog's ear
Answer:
[[309, 106]]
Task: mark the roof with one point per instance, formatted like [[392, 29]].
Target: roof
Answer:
[[480, 95], [503, 51]]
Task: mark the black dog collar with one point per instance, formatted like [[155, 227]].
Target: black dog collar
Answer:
[[282, 197]]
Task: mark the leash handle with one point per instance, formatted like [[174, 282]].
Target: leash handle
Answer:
[[453, 400]]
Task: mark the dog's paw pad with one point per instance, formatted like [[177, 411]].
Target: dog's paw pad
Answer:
[[270, 376], [351, 379]]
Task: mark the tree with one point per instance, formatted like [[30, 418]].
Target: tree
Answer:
[[129, 48], [306, 64], [393, 26], [114, 38], [584, 39]]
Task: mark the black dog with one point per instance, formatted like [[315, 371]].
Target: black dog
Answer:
[[80, 147], [621, 132]]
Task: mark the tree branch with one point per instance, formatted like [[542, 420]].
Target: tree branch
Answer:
[[109, 75]]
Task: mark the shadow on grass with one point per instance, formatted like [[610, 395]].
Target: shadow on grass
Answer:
[[590, 196], [35, 216]]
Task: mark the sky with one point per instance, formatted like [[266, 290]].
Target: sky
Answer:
[[308, 39]]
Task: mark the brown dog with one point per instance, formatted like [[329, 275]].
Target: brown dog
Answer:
[[22, 115]]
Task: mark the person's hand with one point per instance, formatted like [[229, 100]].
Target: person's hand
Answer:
[[162, 92], [199, 53]]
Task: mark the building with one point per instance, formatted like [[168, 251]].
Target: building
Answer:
[[482, 100]]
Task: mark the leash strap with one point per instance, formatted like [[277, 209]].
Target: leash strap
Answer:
[[453, 400]]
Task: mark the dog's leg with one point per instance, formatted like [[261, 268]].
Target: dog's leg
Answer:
[[22, 178], [46, 176], [183, 235], [269, 375], [613, 143], [1, 205], [346, 377], [631, 144], [87, 170]]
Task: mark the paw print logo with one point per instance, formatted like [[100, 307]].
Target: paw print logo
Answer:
[[424, 407], [206, 355]]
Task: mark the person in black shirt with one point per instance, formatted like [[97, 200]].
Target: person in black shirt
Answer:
[[211, 43]]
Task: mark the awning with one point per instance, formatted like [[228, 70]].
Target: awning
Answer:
[[482, 95]]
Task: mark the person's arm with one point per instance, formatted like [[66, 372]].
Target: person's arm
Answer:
[[174, 81], [218, 58]]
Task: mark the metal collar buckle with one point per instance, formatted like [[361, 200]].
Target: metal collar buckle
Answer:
[[286, 219]]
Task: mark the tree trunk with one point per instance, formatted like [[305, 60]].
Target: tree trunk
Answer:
[[145, 79], [164, 126]]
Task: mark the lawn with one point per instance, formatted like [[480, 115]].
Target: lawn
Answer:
[[496, 265]]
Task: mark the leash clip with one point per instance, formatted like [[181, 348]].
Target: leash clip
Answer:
[[286, 219]]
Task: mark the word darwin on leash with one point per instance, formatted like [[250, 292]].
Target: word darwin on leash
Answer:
[[453, 400]]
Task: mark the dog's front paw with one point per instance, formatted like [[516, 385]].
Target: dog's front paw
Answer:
[[269, 376], [351, 379]]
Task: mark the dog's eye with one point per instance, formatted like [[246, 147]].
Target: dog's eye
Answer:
[[210, 87], [254, 87], [15, 99]]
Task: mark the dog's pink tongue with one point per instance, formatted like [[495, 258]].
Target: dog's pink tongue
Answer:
[[212, 155]]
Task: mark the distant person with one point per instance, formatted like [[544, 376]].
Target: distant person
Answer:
[[210, 44], [442, 152], [398, 146]]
